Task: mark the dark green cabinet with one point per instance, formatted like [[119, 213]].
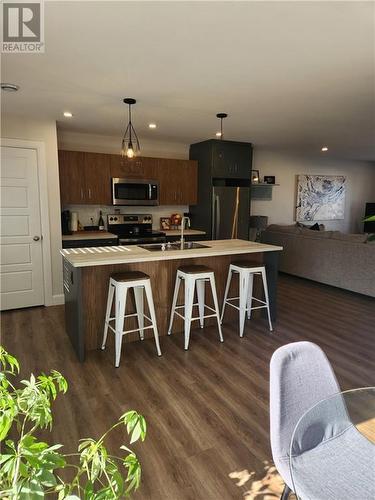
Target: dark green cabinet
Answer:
[[231, 159]]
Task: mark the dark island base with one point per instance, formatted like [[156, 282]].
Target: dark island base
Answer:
[[86, 292]]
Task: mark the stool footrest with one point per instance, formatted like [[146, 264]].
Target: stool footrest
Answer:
[[205, 305], [247, 308], [196, 318], [132, 316], [124, 332], [237, 298]]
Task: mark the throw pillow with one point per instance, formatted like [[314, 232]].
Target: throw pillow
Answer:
[[314, 227]]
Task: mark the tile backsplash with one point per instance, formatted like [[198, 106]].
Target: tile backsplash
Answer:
[[86, 212]]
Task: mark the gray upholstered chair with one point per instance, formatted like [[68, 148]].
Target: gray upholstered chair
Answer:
[[300, 377]]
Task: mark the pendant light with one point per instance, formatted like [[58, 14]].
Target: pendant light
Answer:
[[130, 143], [221, 116]]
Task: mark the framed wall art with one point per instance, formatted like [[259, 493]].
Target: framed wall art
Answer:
[[320, 197]]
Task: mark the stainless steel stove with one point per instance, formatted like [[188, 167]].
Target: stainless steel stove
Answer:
[[134, 229]]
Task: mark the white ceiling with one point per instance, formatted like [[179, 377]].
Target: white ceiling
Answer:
[[289, 74]]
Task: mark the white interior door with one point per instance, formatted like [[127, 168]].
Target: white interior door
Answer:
[[21, 260]]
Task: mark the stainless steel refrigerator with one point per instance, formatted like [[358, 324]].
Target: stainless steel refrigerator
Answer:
[[230, 212]]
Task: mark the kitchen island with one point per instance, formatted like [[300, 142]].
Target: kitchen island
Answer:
[[87, 272]]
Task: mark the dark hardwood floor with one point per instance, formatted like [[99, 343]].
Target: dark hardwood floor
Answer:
[[206, 409]]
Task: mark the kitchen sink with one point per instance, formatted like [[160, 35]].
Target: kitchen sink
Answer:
[[189, 245], [157, 247]]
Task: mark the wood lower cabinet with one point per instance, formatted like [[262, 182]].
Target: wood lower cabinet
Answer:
[[86, 178]]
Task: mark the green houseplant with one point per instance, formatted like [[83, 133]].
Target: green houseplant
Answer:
[[371, 218], [32, 469]]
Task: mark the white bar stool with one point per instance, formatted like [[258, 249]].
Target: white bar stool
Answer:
[[246, 271], [119, 284], [194, 275]]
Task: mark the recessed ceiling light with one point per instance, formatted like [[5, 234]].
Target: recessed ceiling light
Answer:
[[68, 114], [152, 125], [218, 134], [9, 87], [324, 149]]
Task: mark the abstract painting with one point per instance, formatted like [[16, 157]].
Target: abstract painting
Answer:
[[320, 197]]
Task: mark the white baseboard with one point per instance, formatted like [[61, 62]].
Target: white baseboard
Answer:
[[58, 300]]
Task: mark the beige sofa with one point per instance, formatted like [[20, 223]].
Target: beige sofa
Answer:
[[330, 257]]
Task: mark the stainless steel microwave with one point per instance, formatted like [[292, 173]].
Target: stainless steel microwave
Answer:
[[134, 192]]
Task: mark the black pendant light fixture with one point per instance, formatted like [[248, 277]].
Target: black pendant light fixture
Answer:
[[221, 116], [130, 143]]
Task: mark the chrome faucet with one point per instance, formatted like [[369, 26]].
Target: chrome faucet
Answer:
[[187, 219]]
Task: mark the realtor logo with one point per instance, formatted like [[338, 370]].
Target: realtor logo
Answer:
[[23, 27]]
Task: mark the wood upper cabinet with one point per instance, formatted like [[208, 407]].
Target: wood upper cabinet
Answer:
[[189, 179], [71, 173], [84, 178], [97, 179], [177, 182], [138, 168]]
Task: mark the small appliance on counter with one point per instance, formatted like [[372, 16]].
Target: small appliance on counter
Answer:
[[74, 221], [134, 229], [65, 222]]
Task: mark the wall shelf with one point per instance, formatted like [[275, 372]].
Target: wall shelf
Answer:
[[262, 191]]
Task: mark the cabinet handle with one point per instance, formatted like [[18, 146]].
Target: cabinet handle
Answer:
[[89, 193], [81, 194]]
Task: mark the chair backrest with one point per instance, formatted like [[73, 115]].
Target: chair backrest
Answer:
[[300, 377]]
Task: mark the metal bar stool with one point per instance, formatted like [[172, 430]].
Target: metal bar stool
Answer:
[[246, 271], [119, 284], [194, 275]]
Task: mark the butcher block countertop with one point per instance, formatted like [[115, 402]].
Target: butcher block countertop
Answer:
[[97, 235], [101, 256], [187, 232], [88, 235]]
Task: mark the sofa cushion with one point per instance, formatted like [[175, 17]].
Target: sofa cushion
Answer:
[[292, 229], [359, 238], [316, 234]]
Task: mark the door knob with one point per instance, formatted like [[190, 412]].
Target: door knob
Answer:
[[36, 238]]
